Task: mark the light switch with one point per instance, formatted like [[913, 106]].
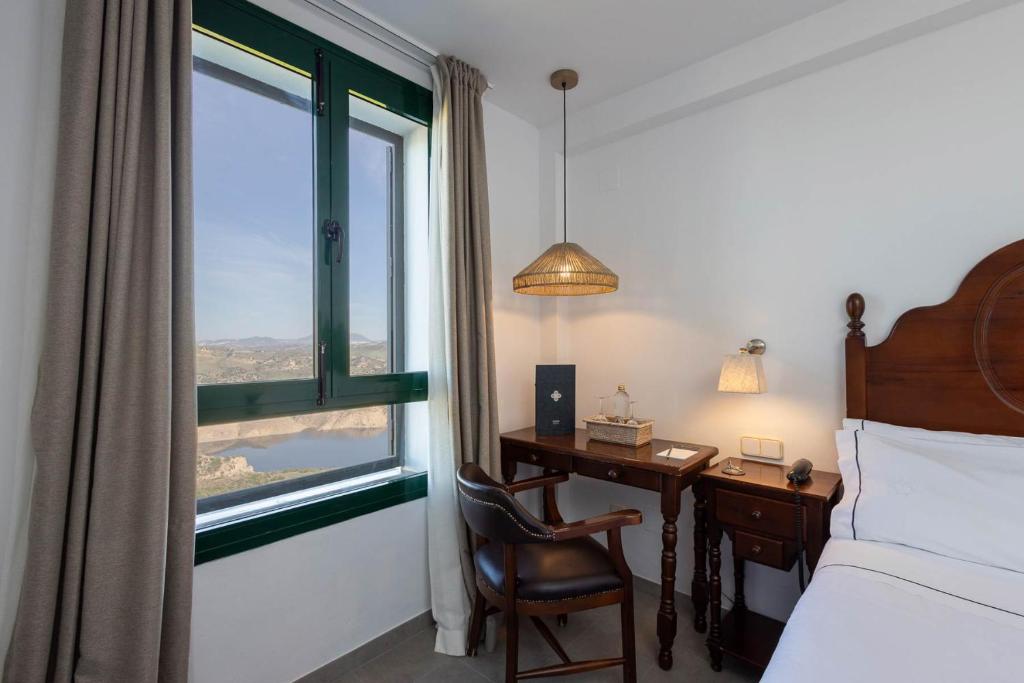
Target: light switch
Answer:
[[750, 445], [771, 448]]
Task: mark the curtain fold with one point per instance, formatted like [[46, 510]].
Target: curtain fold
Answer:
[[463, 396], [107, 589]]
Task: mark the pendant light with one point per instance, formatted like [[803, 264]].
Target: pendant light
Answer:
[[565, 269]]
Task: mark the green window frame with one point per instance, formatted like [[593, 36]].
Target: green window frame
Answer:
[[336, 74]]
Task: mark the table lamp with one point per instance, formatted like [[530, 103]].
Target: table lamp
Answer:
[[743, 373]]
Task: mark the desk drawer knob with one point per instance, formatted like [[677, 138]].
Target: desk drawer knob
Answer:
[[613, 473], [534, 457], [756, 514], [755, 550]]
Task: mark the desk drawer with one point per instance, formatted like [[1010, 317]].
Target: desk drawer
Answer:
[[617, 473], [766, 551], [555, 461], [756, 514]]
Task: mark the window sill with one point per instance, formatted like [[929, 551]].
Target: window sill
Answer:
[[218, 540]]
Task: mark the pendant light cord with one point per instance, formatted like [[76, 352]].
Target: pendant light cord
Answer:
[[565, 204]]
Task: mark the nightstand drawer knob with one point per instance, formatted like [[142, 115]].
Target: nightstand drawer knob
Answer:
[[756, 514], [534, 457], [613, 474], [755, 550]]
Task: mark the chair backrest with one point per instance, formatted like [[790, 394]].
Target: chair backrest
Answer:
[[492, 512]]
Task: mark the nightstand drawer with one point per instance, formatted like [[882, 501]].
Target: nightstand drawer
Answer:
[[767, 551], [555, 461], [757, 514], [622, 475]]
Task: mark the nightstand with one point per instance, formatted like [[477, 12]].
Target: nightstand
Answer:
[[758, 511]]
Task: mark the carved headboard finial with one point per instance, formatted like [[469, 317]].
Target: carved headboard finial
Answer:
[[855, 309]]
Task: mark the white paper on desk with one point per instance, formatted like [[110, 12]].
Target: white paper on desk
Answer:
[[680, 453]]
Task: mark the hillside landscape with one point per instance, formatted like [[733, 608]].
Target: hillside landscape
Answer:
[[254, 359], [262, 359]]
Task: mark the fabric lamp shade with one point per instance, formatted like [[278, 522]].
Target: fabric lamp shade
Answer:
[[565, 269], [742, 373]]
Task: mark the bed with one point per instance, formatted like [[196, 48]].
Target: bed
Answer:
[[923, 578]]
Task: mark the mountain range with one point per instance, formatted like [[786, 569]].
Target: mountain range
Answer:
[[275, 343]]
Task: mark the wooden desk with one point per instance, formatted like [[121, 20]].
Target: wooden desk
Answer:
[[638, 467]]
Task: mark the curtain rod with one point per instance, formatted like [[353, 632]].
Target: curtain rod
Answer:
[[372, 29], [377, 31]]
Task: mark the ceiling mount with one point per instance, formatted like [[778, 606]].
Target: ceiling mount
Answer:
[[565, 79]]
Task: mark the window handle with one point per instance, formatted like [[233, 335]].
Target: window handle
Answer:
[[321, 105], [334, 232], [320, 373]]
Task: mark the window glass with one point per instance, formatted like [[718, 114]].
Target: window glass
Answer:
[[254, 216], [240, 455], [371, 218], [267, 279], [387, 229], [374, 189]]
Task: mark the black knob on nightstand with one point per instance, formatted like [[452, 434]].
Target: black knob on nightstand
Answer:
[[756, 514], [533, 457], [755, 550], [613, 474]]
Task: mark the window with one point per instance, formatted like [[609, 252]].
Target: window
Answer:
[[310, 168]]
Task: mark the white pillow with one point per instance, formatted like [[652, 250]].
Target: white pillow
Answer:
[[916, 432], [956, 499]]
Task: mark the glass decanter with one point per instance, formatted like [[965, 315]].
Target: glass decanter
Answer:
[[620, 404]]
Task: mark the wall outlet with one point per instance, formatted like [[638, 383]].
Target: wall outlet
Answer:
[[750, 445], [760, 447], [771, 448]]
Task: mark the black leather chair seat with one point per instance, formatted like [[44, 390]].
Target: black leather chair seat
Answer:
[[551, 571]]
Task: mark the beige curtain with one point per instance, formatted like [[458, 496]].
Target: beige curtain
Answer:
[[107, 590], [463, 396]]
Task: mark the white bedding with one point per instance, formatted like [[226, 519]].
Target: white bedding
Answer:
[[878, 612]]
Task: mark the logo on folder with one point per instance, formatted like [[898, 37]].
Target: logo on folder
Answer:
[[555, 400]]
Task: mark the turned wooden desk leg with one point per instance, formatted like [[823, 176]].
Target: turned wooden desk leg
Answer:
[[508, 469], [715, 584], [740, 602], [670, 493], [699, 587]]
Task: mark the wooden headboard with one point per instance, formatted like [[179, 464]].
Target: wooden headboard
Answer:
[[955, 366]]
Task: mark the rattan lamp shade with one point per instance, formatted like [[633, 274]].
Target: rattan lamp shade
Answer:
[[565, 269]]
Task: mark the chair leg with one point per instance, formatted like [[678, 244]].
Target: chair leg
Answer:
[[628, 638], [475, 624], [511, 646]]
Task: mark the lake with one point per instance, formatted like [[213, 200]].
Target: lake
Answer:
[[313, 449]]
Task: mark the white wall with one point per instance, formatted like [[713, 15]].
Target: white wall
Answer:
[[276, 613], [512, 157], [891, 174], [30, 34]]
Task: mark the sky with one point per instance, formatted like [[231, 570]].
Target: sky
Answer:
[[254, 217]]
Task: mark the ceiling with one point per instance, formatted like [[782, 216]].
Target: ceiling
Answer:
[[615, 45]]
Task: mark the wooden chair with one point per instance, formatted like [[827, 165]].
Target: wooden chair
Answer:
[[527, 567]]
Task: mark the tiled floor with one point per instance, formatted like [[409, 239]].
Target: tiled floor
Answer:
[[588, 635]]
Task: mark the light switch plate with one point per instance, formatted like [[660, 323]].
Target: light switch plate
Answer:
[[771, 448], [750, 445]]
